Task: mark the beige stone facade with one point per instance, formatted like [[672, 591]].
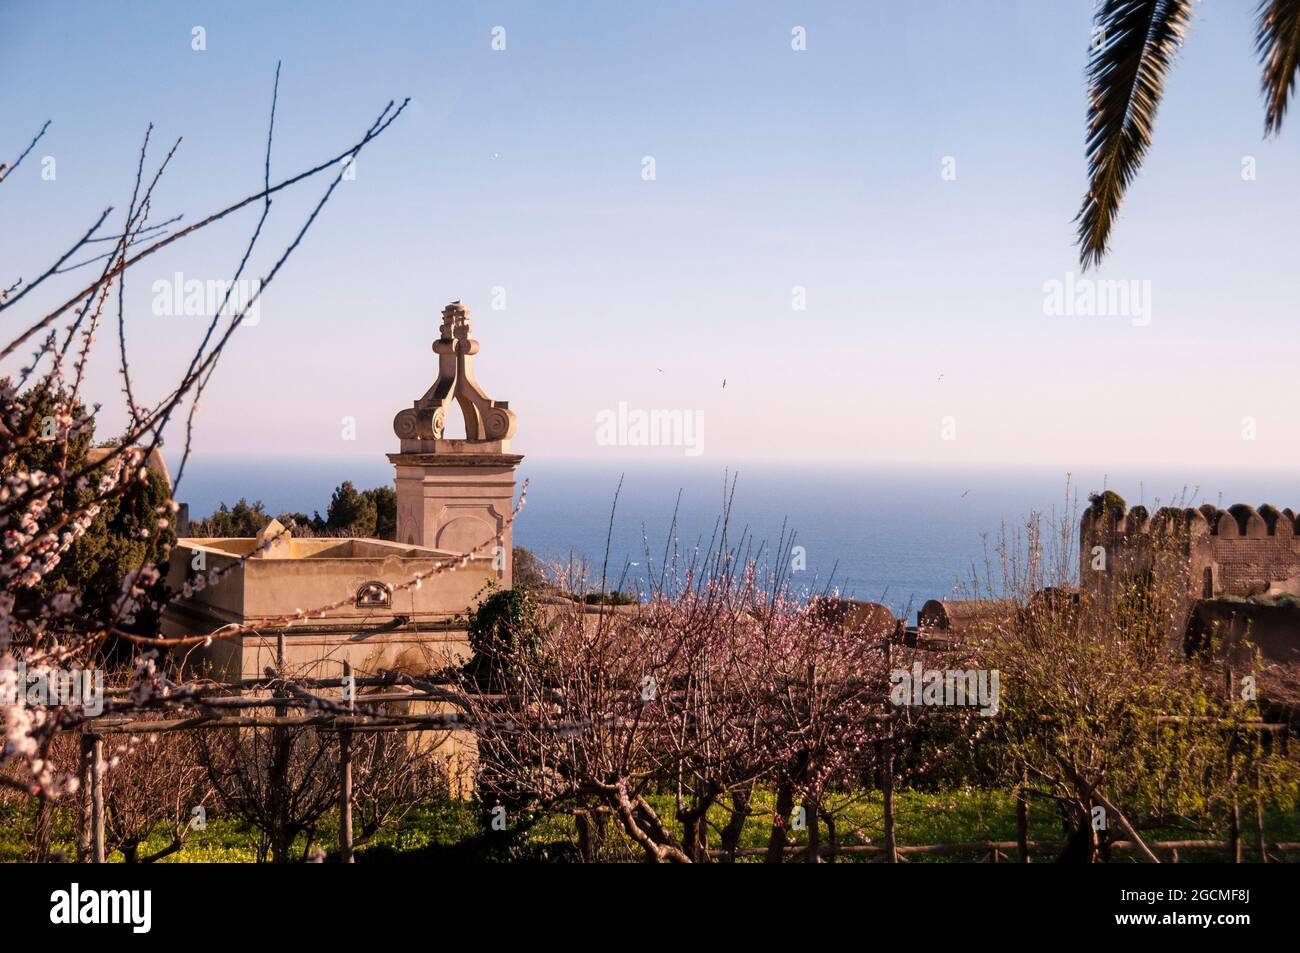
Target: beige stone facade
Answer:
[[458, 498], [384, 622], [454, 504], [457, 494]]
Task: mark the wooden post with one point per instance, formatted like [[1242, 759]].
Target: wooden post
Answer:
[[97, 799], [1234, 815], [41, 834], [345, 774], [85, 835], [91, 842], [887, 787], [1260, 843], [887, 773], [1022, 816], [1234, 832]]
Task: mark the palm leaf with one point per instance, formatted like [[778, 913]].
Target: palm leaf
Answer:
[[1277, 40], [1126, 77]]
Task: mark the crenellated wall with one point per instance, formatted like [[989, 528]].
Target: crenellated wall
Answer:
[[1250, 549], [1208, 552]]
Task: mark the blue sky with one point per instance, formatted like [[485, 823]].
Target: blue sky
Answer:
[[821, 169]]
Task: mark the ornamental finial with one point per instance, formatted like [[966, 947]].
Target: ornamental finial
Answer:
[[486, 420]]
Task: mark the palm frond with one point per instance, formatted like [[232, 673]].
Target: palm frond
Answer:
[[1131, 58], [1277, 40]]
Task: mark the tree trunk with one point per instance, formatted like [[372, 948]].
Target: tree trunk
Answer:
[[591, 832], [281, 845], [886, 754], [1112, 811], [42, 834], [730, 836], [784, 805], [642, 824], [832, 837], [813, 854], [1080, 845], [176, 844]]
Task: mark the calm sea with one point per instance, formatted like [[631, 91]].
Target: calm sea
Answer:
[[898, 535]]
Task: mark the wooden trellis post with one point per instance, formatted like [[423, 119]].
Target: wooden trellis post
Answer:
[[887, 774], [1234, 813], [1022, 817], [91, 842], [227, 708], [345, 773], [1261, 843]]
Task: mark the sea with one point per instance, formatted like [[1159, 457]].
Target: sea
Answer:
[[895, 534]]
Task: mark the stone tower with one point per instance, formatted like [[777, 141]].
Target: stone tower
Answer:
[[457, 495]]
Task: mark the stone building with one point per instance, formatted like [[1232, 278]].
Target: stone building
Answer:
[[966, 617], [456, 494], [1240, 551], [375, 619], [1239, 567], [353, 599]]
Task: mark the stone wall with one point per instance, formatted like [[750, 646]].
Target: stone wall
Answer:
[[414, 629], [1206, 552]]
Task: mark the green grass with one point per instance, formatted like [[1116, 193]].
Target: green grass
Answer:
[[451, 831]]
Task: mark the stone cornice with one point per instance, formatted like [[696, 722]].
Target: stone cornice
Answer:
[[455, 459]]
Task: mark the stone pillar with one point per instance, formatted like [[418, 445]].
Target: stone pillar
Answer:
[[457, 495], [457, 499]]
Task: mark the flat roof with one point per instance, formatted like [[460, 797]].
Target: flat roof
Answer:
[[354, 547]]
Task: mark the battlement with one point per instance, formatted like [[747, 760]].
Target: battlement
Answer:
[[1241, 551], [1240, 521]]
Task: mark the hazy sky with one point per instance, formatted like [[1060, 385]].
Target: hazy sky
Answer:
[[822, 169]]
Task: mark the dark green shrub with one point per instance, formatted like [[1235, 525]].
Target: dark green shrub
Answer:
[[1107, 502], [503, 629]]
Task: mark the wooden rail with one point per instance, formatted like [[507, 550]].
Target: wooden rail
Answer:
[[999, 850]]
